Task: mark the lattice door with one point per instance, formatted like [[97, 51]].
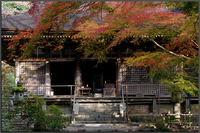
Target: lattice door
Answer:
[[33, 74]]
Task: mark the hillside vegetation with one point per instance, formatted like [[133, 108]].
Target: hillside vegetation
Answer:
[[10, 8]]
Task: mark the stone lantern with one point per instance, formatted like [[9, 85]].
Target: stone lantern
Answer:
[[19, 90]]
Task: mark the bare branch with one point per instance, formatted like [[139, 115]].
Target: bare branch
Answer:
[[168, 50], [193, 42]]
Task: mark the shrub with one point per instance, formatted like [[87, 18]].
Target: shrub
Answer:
[[160, 124], [43, 120], [165, 129], [56, 121]]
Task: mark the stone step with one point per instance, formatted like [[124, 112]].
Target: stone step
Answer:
[[104, 124], [97, 110], [101, 130], [98, 116], [106, 107], [100, 106], [96, 100], [99, 119], [96, 104], [100, 113], [90, 122]]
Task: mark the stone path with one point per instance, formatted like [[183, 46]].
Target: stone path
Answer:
[[133, 127], [101, 128]]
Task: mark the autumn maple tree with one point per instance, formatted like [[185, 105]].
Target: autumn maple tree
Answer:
[[101, 25]]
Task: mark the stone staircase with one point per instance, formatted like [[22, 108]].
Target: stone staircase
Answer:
[[99, 113]]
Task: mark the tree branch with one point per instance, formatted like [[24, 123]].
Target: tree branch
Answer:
[[191, 77], [194, 42], [168, 50]]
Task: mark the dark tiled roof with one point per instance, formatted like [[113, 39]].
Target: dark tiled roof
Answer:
[[22, 21], [25, 21]]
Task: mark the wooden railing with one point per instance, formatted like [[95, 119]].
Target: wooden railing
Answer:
[[170, 122], [43, 89], [144, 89], [46, 90]]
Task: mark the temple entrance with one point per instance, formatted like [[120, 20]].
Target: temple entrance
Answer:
[[96, 77], [62, 73]]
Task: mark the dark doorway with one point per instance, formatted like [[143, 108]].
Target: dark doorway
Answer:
[[95, 77], [62, 73]]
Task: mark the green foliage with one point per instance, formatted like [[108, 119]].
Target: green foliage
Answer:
[[30, 110], [195, 106], [6, 111], [165, 129], [16, 13], [149, 125], [168, 69], [159, 125], [7, 74], [45, 120], [192, 66], [56, 121], [180, 86], [15, 6], [12, 4]]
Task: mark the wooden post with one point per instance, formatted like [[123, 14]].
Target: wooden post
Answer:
[[158, 99], [118, 77], [78, 74], [168, 117], [71, 99], [187, 104], [124, 116], [73, 117], [189, 119], [184, 118], [127, 100], [163, 117], [154, 105], [140, 89]]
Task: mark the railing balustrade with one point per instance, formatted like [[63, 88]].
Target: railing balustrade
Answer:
[[43, 90], [144, 89], [170, 122]]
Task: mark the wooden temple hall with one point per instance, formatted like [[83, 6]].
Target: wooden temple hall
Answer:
[[65, 75], [52, 73]]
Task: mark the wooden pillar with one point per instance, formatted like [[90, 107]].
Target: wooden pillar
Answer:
[[78, 75], [154, 105], [17, 69], [187, 104], [158, 98], [47, 79], [127, 100], [119, 69]]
